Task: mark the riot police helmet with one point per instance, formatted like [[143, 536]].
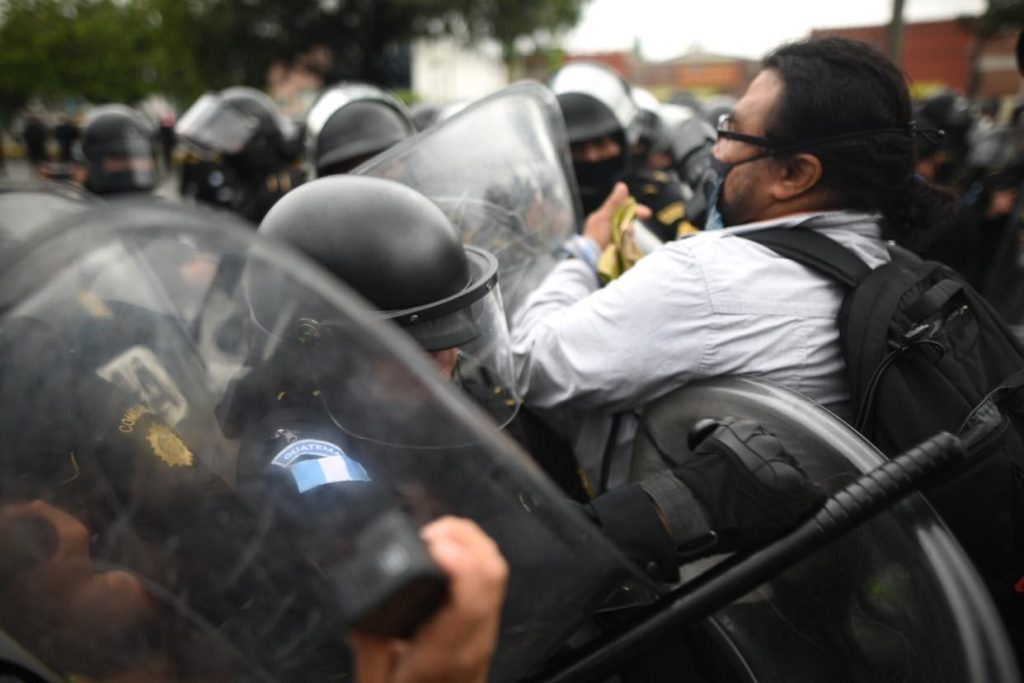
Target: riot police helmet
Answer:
[[393, 246], [595, 102], [117, 148], [243, 123], [351, 122], [670, 117], [650, 119], [603, 124], [690, 148], [401, 252]]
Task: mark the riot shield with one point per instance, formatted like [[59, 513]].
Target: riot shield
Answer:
[[501, 171], [180, 482], [895, 600]]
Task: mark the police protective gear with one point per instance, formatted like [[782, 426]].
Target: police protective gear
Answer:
[[690, 151], [143, 545], [117, 146], [397, 249], [671, 116], [597, 103], [500, 171], [733, 488], [662, 193], [241, 149], [238, 120], [690, 147], [651, 125], [889, 576], [350, 123], [651, 179]]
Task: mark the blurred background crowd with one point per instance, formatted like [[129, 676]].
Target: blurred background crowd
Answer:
[[61, 59]]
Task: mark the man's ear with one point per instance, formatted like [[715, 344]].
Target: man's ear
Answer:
[[800, 174]]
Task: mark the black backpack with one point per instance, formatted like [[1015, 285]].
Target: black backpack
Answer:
[[926, 353]]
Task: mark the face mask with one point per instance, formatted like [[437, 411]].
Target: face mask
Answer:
[[720, 169], [596, 181]]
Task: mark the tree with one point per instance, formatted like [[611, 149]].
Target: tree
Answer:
[[103, 50], [363, 35], [121, 50]]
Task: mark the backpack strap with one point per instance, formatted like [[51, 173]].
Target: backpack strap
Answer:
[[815, 251]]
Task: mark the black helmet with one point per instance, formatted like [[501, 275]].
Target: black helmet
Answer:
[[690, 148], [242, 124], [350, 123], [596, 103], [652, 125], [394, 247], [397, 249], [117, 146]]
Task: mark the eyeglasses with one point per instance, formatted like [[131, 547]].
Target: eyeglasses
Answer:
[[725, 132]]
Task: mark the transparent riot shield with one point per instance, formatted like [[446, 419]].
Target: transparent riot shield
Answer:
[[501, 171], [896, 600], [198, 427]]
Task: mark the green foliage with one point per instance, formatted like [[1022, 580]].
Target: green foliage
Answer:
[[103, 50], [510, 20], [122, 50]]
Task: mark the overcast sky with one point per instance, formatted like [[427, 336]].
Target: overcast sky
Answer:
[[668, 28]]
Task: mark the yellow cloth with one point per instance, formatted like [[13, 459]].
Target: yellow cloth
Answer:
[[622, 253]]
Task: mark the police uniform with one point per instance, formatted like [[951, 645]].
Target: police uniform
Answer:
[[661, 193]]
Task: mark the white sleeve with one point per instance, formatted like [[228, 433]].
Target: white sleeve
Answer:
[[616, 348]]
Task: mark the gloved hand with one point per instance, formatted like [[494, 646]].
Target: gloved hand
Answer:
[[750, 490], [736, 489]]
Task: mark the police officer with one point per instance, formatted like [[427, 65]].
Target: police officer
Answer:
[[650, 127], [111, 521], [350, 123], [605, 125], [393, 246], [399, 251], [402, 253], [242, 151], [117, 151]]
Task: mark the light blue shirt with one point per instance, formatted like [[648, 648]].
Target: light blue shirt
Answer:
[[706, 306]]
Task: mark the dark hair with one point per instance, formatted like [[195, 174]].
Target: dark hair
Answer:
[[833, 87]]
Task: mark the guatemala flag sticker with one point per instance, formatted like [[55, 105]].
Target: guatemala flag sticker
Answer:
[[314, 463]]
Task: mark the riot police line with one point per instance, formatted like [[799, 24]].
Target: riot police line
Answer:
[[285, 443]]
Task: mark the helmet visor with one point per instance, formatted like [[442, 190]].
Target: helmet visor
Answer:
[[213, 124], [122, 165], [484, 364], [501, 171]]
